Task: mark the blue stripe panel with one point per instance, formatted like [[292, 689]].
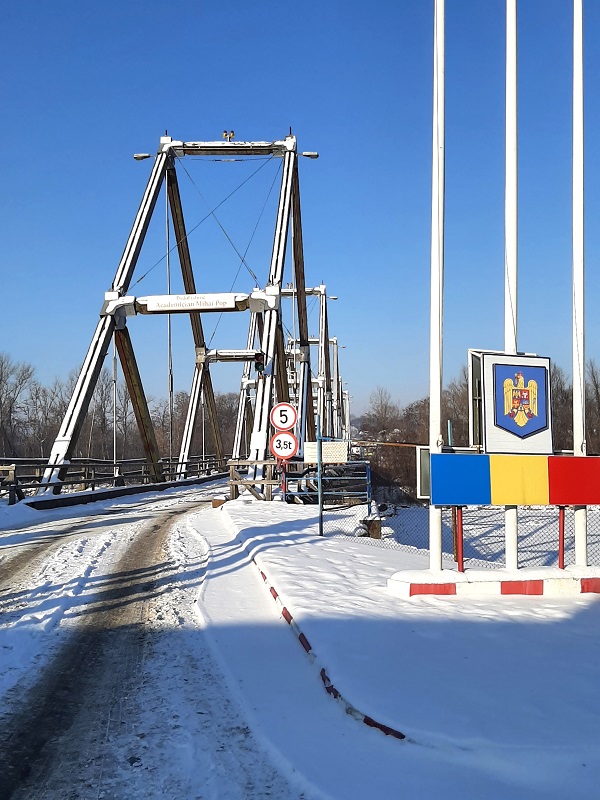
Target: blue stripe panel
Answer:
[[459, 479]]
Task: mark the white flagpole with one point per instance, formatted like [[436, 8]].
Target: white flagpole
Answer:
[[437, 276], [510, 240], [579, 444]]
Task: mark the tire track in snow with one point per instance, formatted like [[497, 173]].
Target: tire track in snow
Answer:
[[102, 648], [33, 553], [22, 549]]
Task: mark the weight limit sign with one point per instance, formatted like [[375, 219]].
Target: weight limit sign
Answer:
[[284, 445]]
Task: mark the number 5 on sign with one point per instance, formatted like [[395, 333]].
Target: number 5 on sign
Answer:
[[284, 445], [283, 416]]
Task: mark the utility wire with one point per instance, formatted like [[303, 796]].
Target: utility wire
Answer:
[[197, 225], [260, 216], [219, 223]]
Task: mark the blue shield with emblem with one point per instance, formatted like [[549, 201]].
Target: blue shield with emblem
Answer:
[[520, 399]]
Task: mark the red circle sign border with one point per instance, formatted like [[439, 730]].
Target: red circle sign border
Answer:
[[274, 409], [287, 456]]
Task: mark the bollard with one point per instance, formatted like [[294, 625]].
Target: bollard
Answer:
[[374, 528], [561, 537], [459, 539]]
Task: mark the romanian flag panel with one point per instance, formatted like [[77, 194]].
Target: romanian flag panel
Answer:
[[459, 479]]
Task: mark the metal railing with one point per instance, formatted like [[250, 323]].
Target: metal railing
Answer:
[[256, 477], [341, 484], [21, 477]]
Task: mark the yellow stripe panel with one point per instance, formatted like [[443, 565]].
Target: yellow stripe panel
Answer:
[[519, 480]]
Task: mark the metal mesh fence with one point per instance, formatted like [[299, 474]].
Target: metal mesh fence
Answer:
[[407, 528]]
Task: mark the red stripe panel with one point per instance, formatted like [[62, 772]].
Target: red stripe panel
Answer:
[[432, 588], [384, 728], [590, 585], [573, 481], [522, 587]]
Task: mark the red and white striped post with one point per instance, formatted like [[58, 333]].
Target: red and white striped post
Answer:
[[459, 539], [561, 537]]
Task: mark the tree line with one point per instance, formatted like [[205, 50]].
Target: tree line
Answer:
[[31, 415]]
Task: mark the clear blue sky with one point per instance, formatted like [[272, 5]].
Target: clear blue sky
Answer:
[[87, 85]]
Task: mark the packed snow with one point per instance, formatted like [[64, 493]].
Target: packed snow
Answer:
[[496, 696]]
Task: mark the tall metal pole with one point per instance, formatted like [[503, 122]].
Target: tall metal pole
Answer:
[[437, 275], [579, 443], [510, 239]]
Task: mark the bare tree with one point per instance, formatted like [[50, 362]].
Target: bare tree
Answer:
[[45, 408], [128, 445], [160, 414], [562, 409], [181, 401], [592, 408], [383, 415], [455, 408], [14, 380]]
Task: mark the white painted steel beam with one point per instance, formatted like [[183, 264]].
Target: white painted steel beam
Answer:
[[240, 447], [264, 389], [190, 421], [128, 306], [225, 148]]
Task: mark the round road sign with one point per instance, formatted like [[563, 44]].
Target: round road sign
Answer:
[[283, 416], [284, 445]]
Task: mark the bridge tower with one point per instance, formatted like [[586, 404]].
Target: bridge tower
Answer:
[[265, 339]]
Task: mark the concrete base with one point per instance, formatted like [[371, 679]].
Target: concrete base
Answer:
[[546, 581]]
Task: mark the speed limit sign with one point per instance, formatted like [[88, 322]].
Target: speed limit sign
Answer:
[[283, 416], [284, 445]]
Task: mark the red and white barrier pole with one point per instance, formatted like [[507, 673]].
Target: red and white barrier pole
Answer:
[[459, 539], [561, 537]]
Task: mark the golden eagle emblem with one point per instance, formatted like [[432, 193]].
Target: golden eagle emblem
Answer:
[[520, 402]]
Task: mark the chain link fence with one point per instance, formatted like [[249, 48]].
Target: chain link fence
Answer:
[[407, 528]]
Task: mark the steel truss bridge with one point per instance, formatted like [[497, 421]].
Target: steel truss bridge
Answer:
[[287, 366]]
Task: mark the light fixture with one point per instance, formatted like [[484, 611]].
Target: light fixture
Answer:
[[142, 156], [310, 154]]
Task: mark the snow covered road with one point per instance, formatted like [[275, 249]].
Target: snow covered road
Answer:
[[108, 686], [142, 656]]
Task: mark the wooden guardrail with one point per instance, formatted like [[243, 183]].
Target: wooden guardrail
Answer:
[[237, 479]]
